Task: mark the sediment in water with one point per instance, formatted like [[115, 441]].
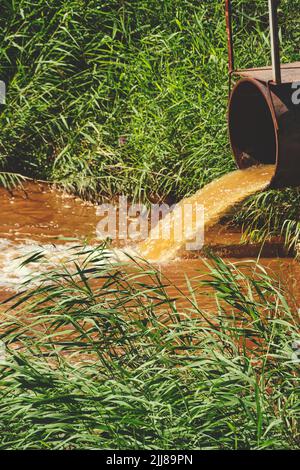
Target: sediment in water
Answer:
[[32, 224], [216, 198]]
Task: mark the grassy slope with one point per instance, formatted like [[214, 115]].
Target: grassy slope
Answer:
[[128, 96]]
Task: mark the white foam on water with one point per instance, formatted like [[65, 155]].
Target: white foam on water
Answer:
[[13, 273]]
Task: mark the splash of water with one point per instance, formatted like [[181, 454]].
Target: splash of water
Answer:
[[23, 264], [217, 198], [14, 273]]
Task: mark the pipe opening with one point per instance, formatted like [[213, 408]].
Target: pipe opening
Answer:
[[251, 126]]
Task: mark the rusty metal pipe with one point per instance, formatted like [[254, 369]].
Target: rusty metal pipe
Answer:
[[264, 128]]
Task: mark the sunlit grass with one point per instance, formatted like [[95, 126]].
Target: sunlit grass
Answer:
[[130, 97], [108, 98], [100, 357]]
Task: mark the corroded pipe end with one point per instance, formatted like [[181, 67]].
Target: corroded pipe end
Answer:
[[264, 128]]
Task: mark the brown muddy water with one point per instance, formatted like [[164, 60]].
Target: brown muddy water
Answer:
[[38, 217]]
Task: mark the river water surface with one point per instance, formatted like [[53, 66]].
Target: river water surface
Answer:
[[38, 217]]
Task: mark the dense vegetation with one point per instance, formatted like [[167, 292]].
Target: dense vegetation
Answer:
[[99, 356], [115, 96], [119, 96], [130, 96]]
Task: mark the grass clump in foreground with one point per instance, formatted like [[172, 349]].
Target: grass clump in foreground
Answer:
[[98, 356]]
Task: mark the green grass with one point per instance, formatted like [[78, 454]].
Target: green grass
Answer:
[[81, 76], [120, 365], [128, 97], [271, 213]]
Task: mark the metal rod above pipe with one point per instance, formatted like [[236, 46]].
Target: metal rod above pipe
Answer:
[[228, 12], [275, 48]]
